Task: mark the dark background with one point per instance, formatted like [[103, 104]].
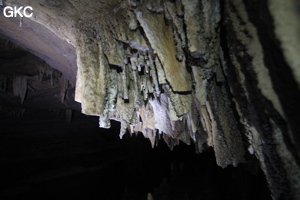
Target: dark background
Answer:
[[45, 157]]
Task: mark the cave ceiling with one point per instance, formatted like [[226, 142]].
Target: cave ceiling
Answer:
[[220, 74]]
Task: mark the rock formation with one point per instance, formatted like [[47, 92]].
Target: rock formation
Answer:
[[222, 74]]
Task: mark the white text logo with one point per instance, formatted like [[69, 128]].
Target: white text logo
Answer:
[[10, 11]]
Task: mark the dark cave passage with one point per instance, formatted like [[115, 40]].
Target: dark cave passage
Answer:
[[45, 157], [222, 76]]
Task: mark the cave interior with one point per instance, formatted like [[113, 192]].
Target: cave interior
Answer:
[[216, 114]]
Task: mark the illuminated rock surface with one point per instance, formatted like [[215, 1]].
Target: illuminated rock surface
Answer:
[[221, 74]]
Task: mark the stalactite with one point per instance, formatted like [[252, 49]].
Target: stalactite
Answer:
[[20, 86], [174, 70], [150, 197], [167, 77], [64, 86], [190, 70], [172, 76]]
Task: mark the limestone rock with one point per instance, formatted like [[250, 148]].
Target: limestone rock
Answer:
[[221, 74]]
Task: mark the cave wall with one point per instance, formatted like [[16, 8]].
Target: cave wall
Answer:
[[222, 74]]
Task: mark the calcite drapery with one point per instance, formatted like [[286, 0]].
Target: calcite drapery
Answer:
[[141, 74], [206, 71]]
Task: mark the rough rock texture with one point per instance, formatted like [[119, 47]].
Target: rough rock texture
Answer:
[[223, 74], [28, 82]]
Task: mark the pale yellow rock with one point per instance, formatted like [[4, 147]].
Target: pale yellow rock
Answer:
[[287, 29], [161, 39], [161, 114]]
